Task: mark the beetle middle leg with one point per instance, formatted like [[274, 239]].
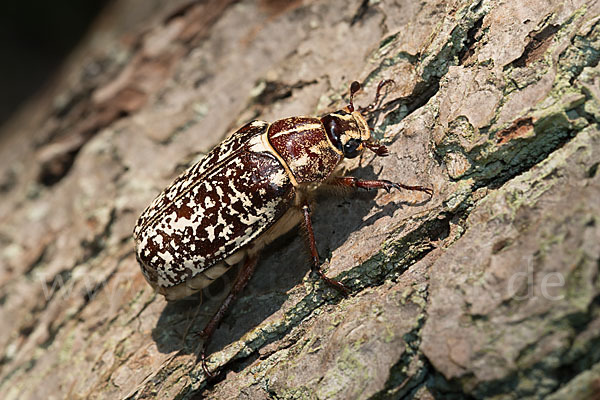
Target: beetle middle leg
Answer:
[[241, 280], [316, 265], [350, 181]]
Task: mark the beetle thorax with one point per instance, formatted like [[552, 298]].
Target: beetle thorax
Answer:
[[302, 146]]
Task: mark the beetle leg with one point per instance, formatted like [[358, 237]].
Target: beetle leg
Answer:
[[241, 280], [315, 255], [379, 149], [350, 181]]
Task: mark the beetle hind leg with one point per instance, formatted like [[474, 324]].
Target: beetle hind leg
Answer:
[[239, 284], [316, 265]]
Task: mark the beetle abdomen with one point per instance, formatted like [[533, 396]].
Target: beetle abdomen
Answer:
[[212, 211]]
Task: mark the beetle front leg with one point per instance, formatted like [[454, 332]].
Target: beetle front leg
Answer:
[[350, 181], [316, 267], [241, 280]]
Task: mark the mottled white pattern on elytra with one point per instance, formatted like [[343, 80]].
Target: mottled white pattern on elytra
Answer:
[[211, 233], [280, 177], [212, 210], [179, 223], [209, 203], [197, 172]]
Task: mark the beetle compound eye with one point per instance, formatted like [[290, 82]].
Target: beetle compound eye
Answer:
[[351, 148], [333, 129]]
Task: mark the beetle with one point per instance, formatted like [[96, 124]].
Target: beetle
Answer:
[[251, 188]]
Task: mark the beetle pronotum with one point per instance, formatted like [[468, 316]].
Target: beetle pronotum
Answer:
[[254, 186]]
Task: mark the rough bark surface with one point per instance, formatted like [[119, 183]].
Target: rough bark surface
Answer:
[[489, 290]]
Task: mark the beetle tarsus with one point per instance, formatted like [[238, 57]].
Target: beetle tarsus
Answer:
[[209, 375], [339, 286], [423, 189], [379, 149]]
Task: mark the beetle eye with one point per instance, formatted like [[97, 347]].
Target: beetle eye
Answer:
[[351, 148], [333, 129]]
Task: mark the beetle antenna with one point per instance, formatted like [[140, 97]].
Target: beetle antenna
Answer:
[[371, 106], [354, 87]]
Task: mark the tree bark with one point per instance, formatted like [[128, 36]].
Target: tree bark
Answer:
[[491, 289]]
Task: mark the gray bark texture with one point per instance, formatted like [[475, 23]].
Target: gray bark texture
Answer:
[[489, 290]]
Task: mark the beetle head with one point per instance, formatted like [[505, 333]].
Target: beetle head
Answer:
[[348, 129]]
